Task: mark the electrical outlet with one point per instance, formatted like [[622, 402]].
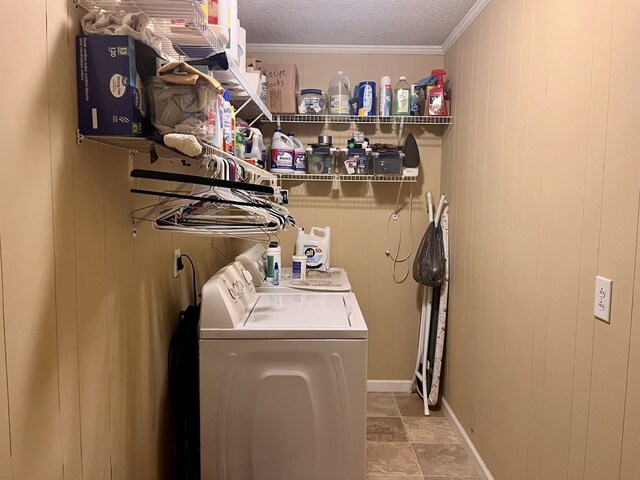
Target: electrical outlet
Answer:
[[176, 257], [602, 299]]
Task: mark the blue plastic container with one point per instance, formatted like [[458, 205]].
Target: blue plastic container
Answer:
[[366, 99]]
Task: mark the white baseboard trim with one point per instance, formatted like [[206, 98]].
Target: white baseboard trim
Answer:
[[403, 386], [477, 461]]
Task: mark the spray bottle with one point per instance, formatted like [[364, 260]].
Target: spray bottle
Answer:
[[436, 104]]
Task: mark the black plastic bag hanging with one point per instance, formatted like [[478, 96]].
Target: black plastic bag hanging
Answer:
[[429, 264]]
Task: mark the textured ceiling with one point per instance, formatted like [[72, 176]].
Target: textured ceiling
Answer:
[[351, 22]]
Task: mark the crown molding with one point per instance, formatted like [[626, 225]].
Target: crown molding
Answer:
[[362, 49], [465, 23]]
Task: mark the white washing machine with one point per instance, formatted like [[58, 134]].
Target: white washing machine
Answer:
[[283, 380], [254, 260]]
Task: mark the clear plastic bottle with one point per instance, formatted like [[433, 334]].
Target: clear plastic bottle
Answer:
[[401, 97], [339, 94]]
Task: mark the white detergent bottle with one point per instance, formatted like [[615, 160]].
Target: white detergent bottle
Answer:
[[300, 160], [315, 246], [283, 153]]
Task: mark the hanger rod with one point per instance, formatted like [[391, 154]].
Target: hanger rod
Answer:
[[199, 199], [211, 182]]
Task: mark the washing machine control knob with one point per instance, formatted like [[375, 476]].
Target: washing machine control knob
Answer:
[[232, 292], [247, 276], [238, 287]]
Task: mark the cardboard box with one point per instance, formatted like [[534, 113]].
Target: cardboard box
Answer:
[[110, 73], [282, 85]]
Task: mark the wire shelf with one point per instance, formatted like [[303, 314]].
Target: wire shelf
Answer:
[[404, 120], [141, 145], [176, 22], [183, 29], [331, 177]]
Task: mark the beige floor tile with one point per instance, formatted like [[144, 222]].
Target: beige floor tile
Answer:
[[386, 429], [382, 405], [410, 405], [429, 430], [443, 461], [387, 459]]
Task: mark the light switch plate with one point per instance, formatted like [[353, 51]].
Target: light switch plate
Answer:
[[602, 300]]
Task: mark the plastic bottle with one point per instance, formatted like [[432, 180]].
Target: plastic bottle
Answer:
[[436, 104], [298, 267], [254, 146], [282, 153], [385, 96], [276, 274], [274, 257], [300, 159], [339, 94], [401, 97], [228, 133], [315, 246]]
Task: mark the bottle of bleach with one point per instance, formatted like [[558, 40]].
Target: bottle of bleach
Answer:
[[315, 246], [282, 153], [300, 161]]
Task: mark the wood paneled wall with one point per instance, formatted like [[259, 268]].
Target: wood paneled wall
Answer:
[[542, 170], [86, 310], [358, 212]]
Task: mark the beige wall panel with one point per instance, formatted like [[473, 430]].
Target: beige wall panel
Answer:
[[596, 142], [89, 185], [568, 150], [120, 288], [27, 252], [538, 190], [478, 162], [458, 311], [564, 388], [6, 470], [62, 86], [630, 462], [617, 242], [511, 392]]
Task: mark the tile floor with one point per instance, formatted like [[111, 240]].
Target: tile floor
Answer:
[[403, 444]]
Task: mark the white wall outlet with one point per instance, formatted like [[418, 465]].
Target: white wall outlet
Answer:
[[176, 257], [602, 301]]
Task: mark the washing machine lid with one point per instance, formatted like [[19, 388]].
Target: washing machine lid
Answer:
[[298, 315]]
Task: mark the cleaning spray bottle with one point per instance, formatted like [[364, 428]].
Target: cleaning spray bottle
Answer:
[[315, 246], [436, 104]]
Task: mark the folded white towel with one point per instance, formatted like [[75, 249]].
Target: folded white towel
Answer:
[[136, 25]]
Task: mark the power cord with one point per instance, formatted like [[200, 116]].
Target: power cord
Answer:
[[395, 215], [193, 275]]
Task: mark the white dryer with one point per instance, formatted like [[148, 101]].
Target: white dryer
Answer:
[[282, 382], [254, 260]]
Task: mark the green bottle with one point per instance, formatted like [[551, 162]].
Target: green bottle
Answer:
[[401, 97]]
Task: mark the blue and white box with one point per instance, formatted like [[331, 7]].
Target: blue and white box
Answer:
[[110, 71]]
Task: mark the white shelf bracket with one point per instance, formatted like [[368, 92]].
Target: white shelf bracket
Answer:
[[255, 120], [278, 121], [244, 105], [79, 137], [400, 130]]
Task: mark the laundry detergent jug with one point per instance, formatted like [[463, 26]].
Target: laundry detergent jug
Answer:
[[315, 246], [300, 160], [282, 153]]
